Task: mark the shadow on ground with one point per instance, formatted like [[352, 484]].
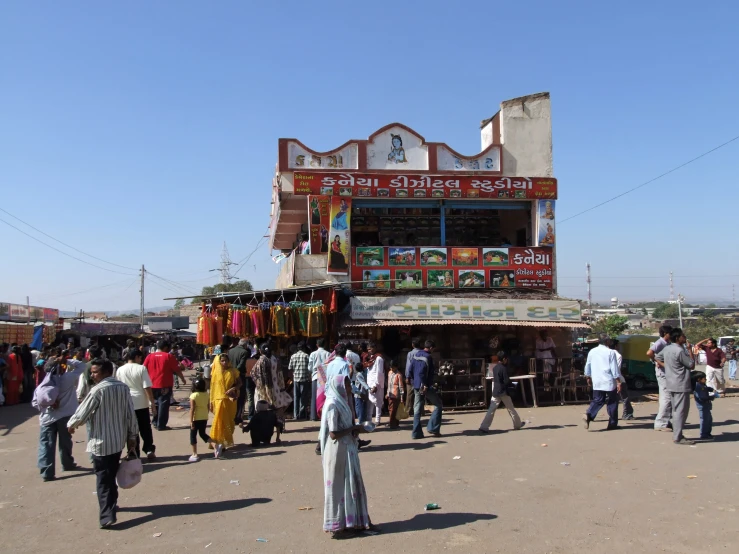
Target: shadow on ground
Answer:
[[160, 511], [436, 521]]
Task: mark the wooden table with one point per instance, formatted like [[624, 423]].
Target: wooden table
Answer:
[[530, 379]]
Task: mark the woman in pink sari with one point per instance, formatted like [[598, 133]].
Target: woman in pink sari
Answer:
[[321, 393]]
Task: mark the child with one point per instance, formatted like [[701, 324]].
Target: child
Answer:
[[199, 403], [394, 393], [702, 394], [360, 389], [262, 425]]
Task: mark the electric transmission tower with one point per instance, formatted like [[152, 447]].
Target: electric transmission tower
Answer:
[[225, 267]]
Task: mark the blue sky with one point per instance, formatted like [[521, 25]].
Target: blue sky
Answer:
[[148, 134]]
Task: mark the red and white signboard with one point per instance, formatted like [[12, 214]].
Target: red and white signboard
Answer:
[[361, 185]]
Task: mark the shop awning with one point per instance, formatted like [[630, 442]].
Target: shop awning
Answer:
[[420, 322]]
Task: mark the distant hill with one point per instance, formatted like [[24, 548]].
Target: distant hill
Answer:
[[111, 313]]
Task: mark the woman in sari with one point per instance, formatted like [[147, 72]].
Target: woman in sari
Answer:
[[224, 391], [13, 378], [270, 384], [345, 507]]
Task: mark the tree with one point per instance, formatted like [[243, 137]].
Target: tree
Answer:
[[612, 325], [666, 311], [237, 286], [708, 325], [711, 305], [178, 303]]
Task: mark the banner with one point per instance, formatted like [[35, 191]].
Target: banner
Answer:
[[23, 313], [339, 236], [495, 267], [492, 309], [545, 222], [362, 185], [319, 210]]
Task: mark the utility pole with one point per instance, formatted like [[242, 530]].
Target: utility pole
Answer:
[[141, 307], [680, 300], [672, 289], [590, 292], [225, 267], [733, 295]]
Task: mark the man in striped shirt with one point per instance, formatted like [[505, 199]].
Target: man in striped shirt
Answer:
[[109, 409]]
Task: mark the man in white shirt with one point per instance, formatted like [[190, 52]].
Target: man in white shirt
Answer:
[[353, 359], [136, 376], [604, 375], [317, 357], [375, 379]]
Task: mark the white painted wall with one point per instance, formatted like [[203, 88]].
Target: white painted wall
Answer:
[[416, 153], [526, 134]]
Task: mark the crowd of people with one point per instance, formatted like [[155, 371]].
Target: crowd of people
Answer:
[[349, 389]]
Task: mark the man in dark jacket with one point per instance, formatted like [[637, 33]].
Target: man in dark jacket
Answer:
[[238, 356], [501, 382], [422, 373]]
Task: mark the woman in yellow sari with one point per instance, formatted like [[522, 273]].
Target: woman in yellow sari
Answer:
[[224, 390]]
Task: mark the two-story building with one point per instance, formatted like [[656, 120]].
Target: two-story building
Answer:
[[425, 241]]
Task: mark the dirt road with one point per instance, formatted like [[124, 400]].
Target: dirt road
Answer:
[[596, 491]]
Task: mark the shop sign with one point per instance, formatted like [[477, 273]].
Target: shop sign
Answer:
[[51, 315], [319, 210], [339, 236], [390, 185], [492, 309], [18, 312], [399, 267]]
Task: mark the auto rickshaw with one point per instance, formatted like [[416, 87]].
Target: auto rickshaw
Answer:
[[637, 368]]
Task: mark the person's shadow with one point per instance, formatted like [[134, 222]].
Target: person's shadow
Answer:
[[433, 520], [160, 511]]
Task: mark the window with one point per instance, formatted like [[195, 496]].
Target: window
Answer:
[[440, 223]]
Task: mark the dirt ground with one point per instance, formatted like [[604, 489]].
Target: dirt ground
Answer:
[[620, 491]]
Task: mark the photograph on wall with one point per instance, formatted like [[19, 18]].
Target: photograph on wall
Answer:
[[439, 279], [495, 257], [464, 256], [471, 278], [502, 279], [408, 279], [339, 236], [370, 256], [376, 279], [546, 223], [401, 256], [431, 257]]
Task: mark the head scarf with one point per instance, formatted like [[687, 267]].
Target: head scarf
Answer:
[[336, 399], [321, 395]]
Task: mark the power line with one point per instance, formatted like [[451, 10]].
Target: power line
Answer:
[[64, 243], [169, 282], [49, 297], [242, 263], [652, 180], [62, 251]]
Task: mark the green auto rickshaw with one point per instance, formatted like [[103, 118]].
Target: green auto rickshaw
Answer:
[[637, 368]]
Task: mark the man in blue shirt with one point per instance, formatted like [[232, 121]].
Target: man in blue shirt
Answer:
[[338, 366], [422, 380], [410, 395], [604, 375]]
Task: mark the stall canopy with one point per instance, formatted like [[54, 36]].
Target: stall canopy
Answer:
[[409, 322]]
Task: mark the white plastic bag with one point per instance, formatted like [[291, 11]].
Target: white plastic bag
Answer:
[[129, 473]]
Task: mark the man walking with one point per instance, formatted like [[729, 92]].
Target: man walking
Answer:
[[410, 395], [109, 409], [238, 357], [54, 419], [300, 367], [136, 378], [628, 411], [162, 367], [501, 382], [715, 360], [678, 362], [603, 374], [422, 374], [375, 366], [662, 421], [316, 359], [730, 351]]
